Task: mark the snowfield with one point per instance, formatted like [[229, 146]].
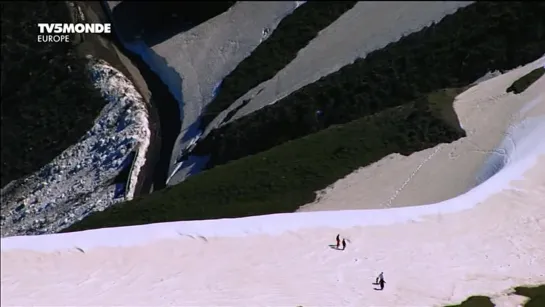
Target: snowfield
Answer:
[[483, 242], [207, 53], [486, 112], [368, 26], [193, 63], [79, 180]]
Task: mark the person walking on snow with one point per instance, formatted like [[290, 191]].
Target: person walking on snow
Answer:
[[338, 238], [344, 243], [379, 277], [381, 283]]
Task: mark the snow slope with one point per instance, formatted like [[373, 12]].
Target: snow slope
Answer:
[[193, 63], [485, 111], [78, 181], [483, 242], [368, 26], [204, 55]]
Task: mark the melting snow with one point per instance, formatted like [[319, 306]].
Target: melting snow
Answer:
[[79, 180]]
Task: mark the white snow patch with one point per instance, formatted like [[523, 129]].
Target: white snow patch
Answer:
[[121, 92], [192, 166], [368, 26], [215, 89], [193, 64], [200, 58], [531, 105]]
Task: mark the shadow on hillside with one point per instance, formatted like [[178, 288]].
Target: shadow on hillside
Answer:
[[535, 294], [524, 82], [157, 21], [475, 301]]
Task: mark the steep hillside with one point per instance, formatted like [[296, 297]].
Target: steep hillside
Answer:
[[48, 99], [291, 35], [461, 48], [285, 177]]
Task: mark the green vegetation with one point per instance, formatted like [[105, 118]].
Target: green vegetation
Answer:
[[441, 105], [287, 176], [536, 297], [475, 301], [535, 294], [462, 47], [48, 101], [292, 34], [524, 82]]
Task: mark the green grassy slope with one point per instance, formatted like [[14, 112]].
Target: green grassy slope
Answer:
[[462, 47], [287, 176]]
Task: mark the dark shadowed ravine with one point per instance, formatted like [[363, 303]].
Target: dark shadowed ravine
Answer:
[[165, 109], [106, 47], [136, 26]]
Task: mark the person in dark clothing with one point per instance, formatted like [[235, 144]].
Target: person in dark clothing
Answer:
[[338, 241], [344, 243], [381, 283], [379, 277]]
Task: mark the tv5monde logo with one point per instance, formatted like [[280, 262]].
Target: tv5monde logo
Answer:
[[60, 32]]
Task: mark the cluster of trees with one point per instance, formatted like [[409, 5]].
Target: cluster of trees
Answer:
[[285, 177], [535, 295], [48, 101], [397, 99], [462, 47], [525, 81], [292, 34]]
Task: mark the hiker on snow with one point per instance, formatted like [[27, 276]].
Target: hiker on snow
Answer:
[[344, 244], [379, 277], [381, 283], [380, 280], [338, 241]]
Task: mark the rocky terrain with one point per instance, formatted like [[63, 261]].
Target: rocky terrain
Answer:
[[83, 178]]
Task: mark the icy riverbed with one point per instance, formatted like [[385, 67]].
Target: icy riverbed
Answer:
[[194, 62], [81, 179]]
